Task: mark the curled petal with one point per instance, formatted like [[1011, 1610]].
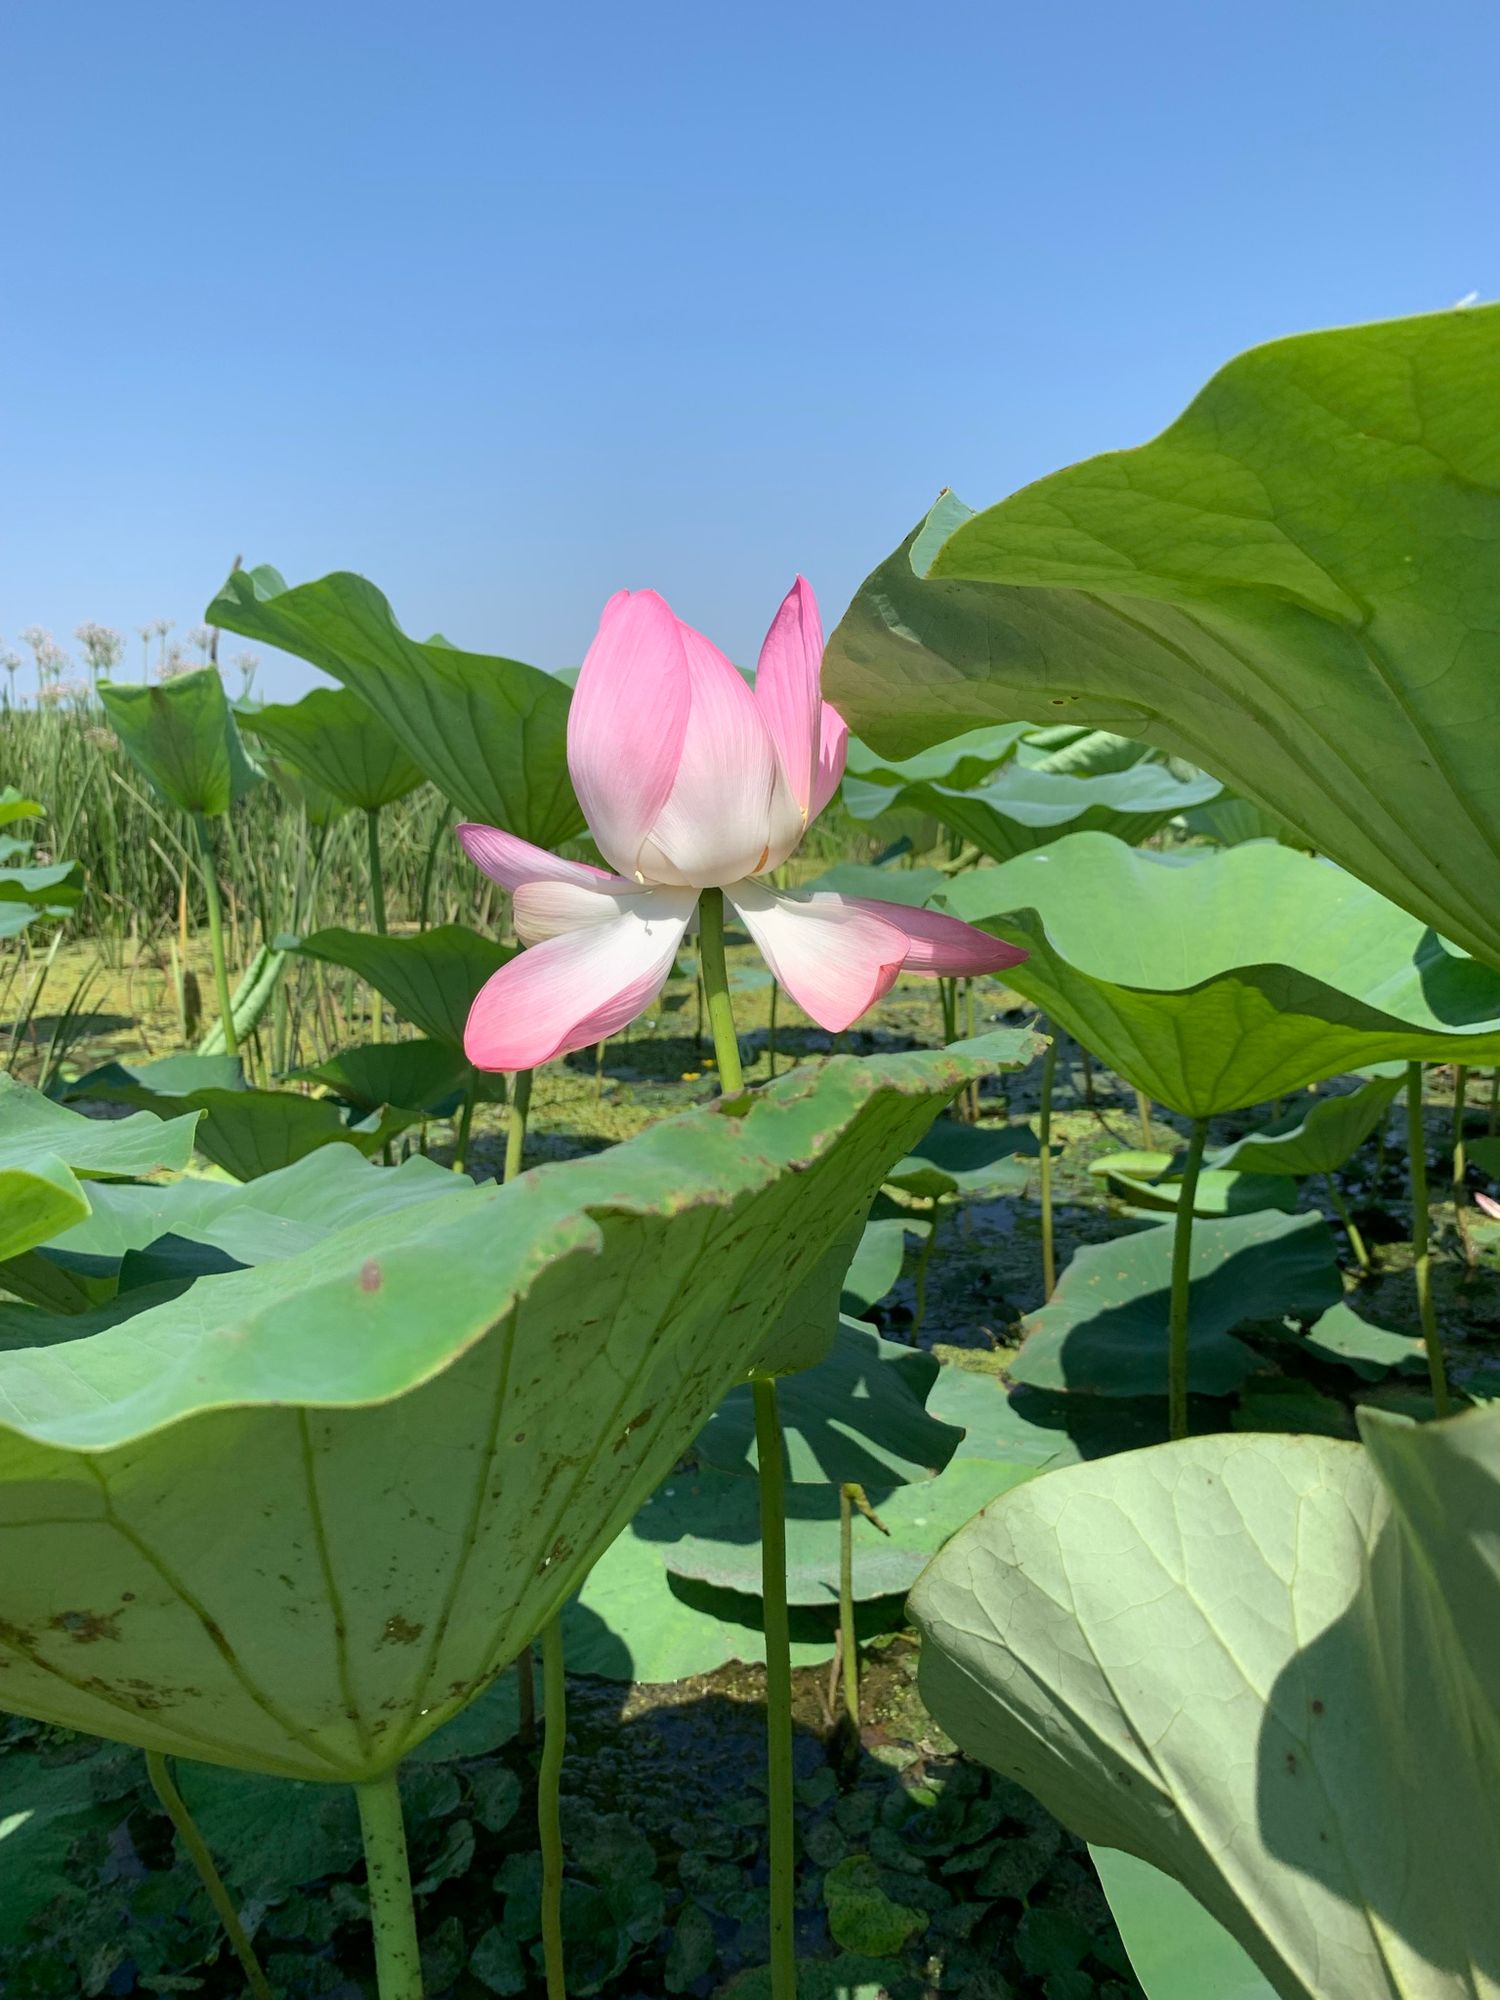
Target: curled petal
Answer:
[[786, 689], [942, 944], [1487, 1202], [627, 722], [729, 812], [512, 862], [578, 986], [834, 957], [547, 909]]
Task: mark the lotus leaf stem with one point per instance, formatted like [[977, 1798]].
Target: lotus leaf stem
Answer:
[[1421, 1247], [778, 1688], [398, 1960], [515, 1123], [1460, 1158], [440, 828], [1182, 1271], [1044, 1133], [216, 933], [1351, 1229], [924, 1258], [465, 1122], [1143, 1112], [715, 986], [549, 1803], [771, 1036], [175, 1807], [848, 1644]]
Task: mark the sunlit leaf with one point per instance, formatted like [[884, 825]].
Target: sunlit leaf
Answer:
[[182, 736], [430, 979], [334, 740]]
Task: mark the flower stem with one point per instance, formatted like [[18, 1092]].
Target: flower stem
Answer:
[[216, 933], [771, 1036], [398, 1961], [778, 1687], [549, 1803], [515, 1123], [1421, 1247], [174, 1806], [1182, 1271], [715, 975], [466, 1120], [849, 1643], [1351, 1229], [1044, 1134]]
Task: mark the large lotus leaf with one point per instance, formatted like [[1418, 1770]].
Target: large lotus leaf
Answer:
[[876, 1263], [1023, 809], [430, 979], [912, 886], [490, 733], [1317, 1134], [335, 740], [858, 1415], [1144, 1180], [1078, 752], [1230, 821], [961, 762], [298, 1517], [1295, 586], [419, 1075], [1231, 978], [143, 1084], [1104, 1330], [182, 736], [51, 889], [1267, 1665], [46, 1151], [975, 1161], [1176, 1949], [1343, 1337]]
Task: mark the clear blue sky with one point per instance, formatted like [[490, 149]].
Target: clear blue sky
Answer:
[[508, 307]]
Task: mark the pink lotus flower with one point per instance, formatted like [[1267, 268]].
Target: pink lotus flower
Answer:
[[690, 781]]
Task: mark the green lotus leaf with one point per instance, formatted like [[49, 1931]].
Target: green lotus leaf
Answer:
[[182, 737], [1188, 1653], [430, 979], [1078, 752], [490, 733], [1231, 821], [1345, 1338], [47, 1151], [975, 1161], [1231, 978], [1024, 809], [335, 740], [51, 889], [963, 761], [406, 1495], [321, 807], [912, 886], [143, 1084], [1177, 1951], [858, 1416], [1317, 1134], [1104, 1330], [15, 805], [876, 1263], [418, 1076], [1295, 586], [1143, 1179]]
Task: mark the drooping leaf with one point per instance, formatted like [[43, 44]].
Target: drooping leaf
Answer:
[[182, 737], [1145, 1181], [1177, 1950], [267, 1408], [1317, 1134], [429, 979], [416, 1076], [1345, 1337], [46, 1151], [1104, 1331], [1295, 586], [1023, 809], [1189, 1653], [876, 1264], [1080, 753], [51, 889], [857, 1416], [975, 1161], [490, 733], [335, 740], [1232, 978], [963, 761], [1230, 821]]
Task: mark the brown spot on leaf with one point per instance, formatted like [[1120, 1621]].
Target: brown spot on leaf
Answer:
[[400, 1631], [85, 1627], [1317, 1706], [369, 1275]]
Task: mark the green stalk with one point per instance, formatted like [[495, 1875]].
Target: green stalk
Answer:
[[377, 911], [398, 1961], [175, 1807], [216, 933], [515, 1123], [549, 1804], [778, 1688], [1182, 1268], [439, 829], [465, 1122], [1143, 1112], [771, 1037], [1421, 1247], [715, 987], [1460, 1159], [1341, 1209], [919, 1276], [848, 1644], [1044, 1134]]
